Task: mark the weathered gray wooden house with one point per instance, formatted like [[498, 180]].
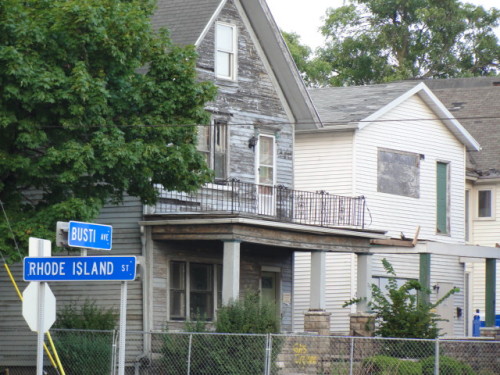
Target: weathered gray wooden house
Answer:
[[239, 233]]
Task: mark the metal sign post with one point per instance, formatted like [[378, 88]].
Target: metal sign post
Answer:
[[41, 248], [123, 328]]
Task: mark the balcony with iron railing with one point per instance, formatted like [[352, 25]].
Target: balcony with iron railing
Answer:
[[276, 203]]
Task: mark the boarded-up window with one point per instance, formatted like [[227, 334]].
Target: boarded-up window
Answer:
[[398, 173]]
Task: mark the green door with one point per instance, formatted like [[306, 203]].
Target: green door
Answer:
[[442, 198]]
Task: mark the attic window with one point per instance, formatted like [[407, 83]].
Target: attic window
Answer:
[[225, 44]]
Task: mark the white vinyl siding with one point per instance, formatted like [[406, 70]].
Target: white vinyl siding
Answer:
[[340, 287], [324, 162], [434, 142], [486, 231]]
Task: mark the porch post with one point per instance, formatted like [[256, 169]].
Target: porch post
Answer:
[[231, 272], [317, 319], [491, 271], [425, 276], [363, 287], [318, 280]]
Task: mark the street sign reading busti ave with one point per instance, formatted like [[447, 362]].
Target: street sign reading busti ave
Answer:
[[89, 235], [111, 268]]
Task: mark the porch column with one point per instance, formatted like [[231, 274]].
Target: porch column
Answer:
[[318, 280], [491, 277], [317, 319], [425, 276], [231, 272], [364, 290]]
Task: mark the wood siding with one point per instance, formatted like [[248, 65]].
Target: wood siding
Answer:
[[251, 103], [434, 142], [324, 162]]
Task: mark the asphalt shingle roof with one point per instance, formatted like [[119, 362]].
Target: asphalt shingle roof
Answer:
[[341, 105], [475, 102], [185, 19]]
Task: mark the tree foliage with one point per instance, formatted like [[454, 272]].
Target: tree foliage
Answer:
[[374, 41], [399, 312], [314, 70], [82, 120]]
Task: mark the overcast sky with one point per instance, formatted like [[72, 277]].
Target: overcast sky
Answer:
[[305, 17]]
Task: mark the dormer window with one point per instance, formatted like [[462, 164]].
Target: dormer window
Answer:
[[225, 45]]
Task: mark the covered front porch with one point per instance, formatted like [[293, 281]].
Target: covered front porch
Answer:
[[249, 254]]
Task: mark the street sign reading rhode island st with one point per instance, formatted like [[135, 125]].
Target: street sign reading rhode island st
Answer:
[[89, 235], [119, 268]]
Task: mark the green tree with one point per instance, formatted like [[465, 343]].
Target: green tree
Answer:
[[315, 71], [373, 41], [82, 121]]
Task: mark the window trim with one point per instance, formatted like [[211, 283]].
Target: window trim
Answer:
[[491, 189], [187, 291], [447, 198], [233, 55], [418, 166], [258, 163], [210, 150]]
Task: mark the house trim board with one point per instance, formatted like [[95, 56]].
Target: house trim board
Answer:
[[440, 248]]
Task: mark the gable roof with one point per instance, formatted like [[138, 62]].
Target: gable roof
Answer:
[[188, 20], [476, 103], [185, 19], [355, 107]]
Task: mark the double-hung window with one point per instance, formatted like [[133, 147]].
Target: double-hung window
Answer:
[[213, 143], [195, 290], [225, 54], [485, 203]]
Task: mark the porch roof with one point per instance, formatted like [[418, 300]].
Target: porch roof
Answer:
[[265, 232]]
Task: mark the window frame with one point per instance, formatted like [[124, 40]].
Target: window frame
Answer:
[[381, 188], [208, 145], [232, 53], [447, 230], [492, 215], [216, 288]]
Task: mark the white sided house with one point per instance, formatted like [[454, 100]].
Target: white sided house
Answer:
[[476, 102], [399, 147]]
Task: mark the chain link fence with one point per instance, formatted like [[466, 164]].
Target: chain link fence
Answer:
[[95, 353]]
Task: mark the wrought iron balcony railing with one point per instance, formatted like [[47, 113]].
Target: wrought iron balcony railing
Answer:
[[276, 203]]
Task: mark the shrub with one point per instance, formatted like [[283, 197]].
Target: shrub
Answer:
[[249, 315], [399, 312], [86, 316], [384, 365], [225, 354], [447, 366], [85, 352]]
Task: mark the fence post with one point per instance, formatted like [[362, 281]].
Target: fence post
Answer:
[[267, 366], [436, 358], [351, 357], [189, 354]]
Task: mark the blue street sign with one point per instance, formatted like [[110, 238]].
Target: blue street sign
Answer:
[[111, 268], [90, 236]]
